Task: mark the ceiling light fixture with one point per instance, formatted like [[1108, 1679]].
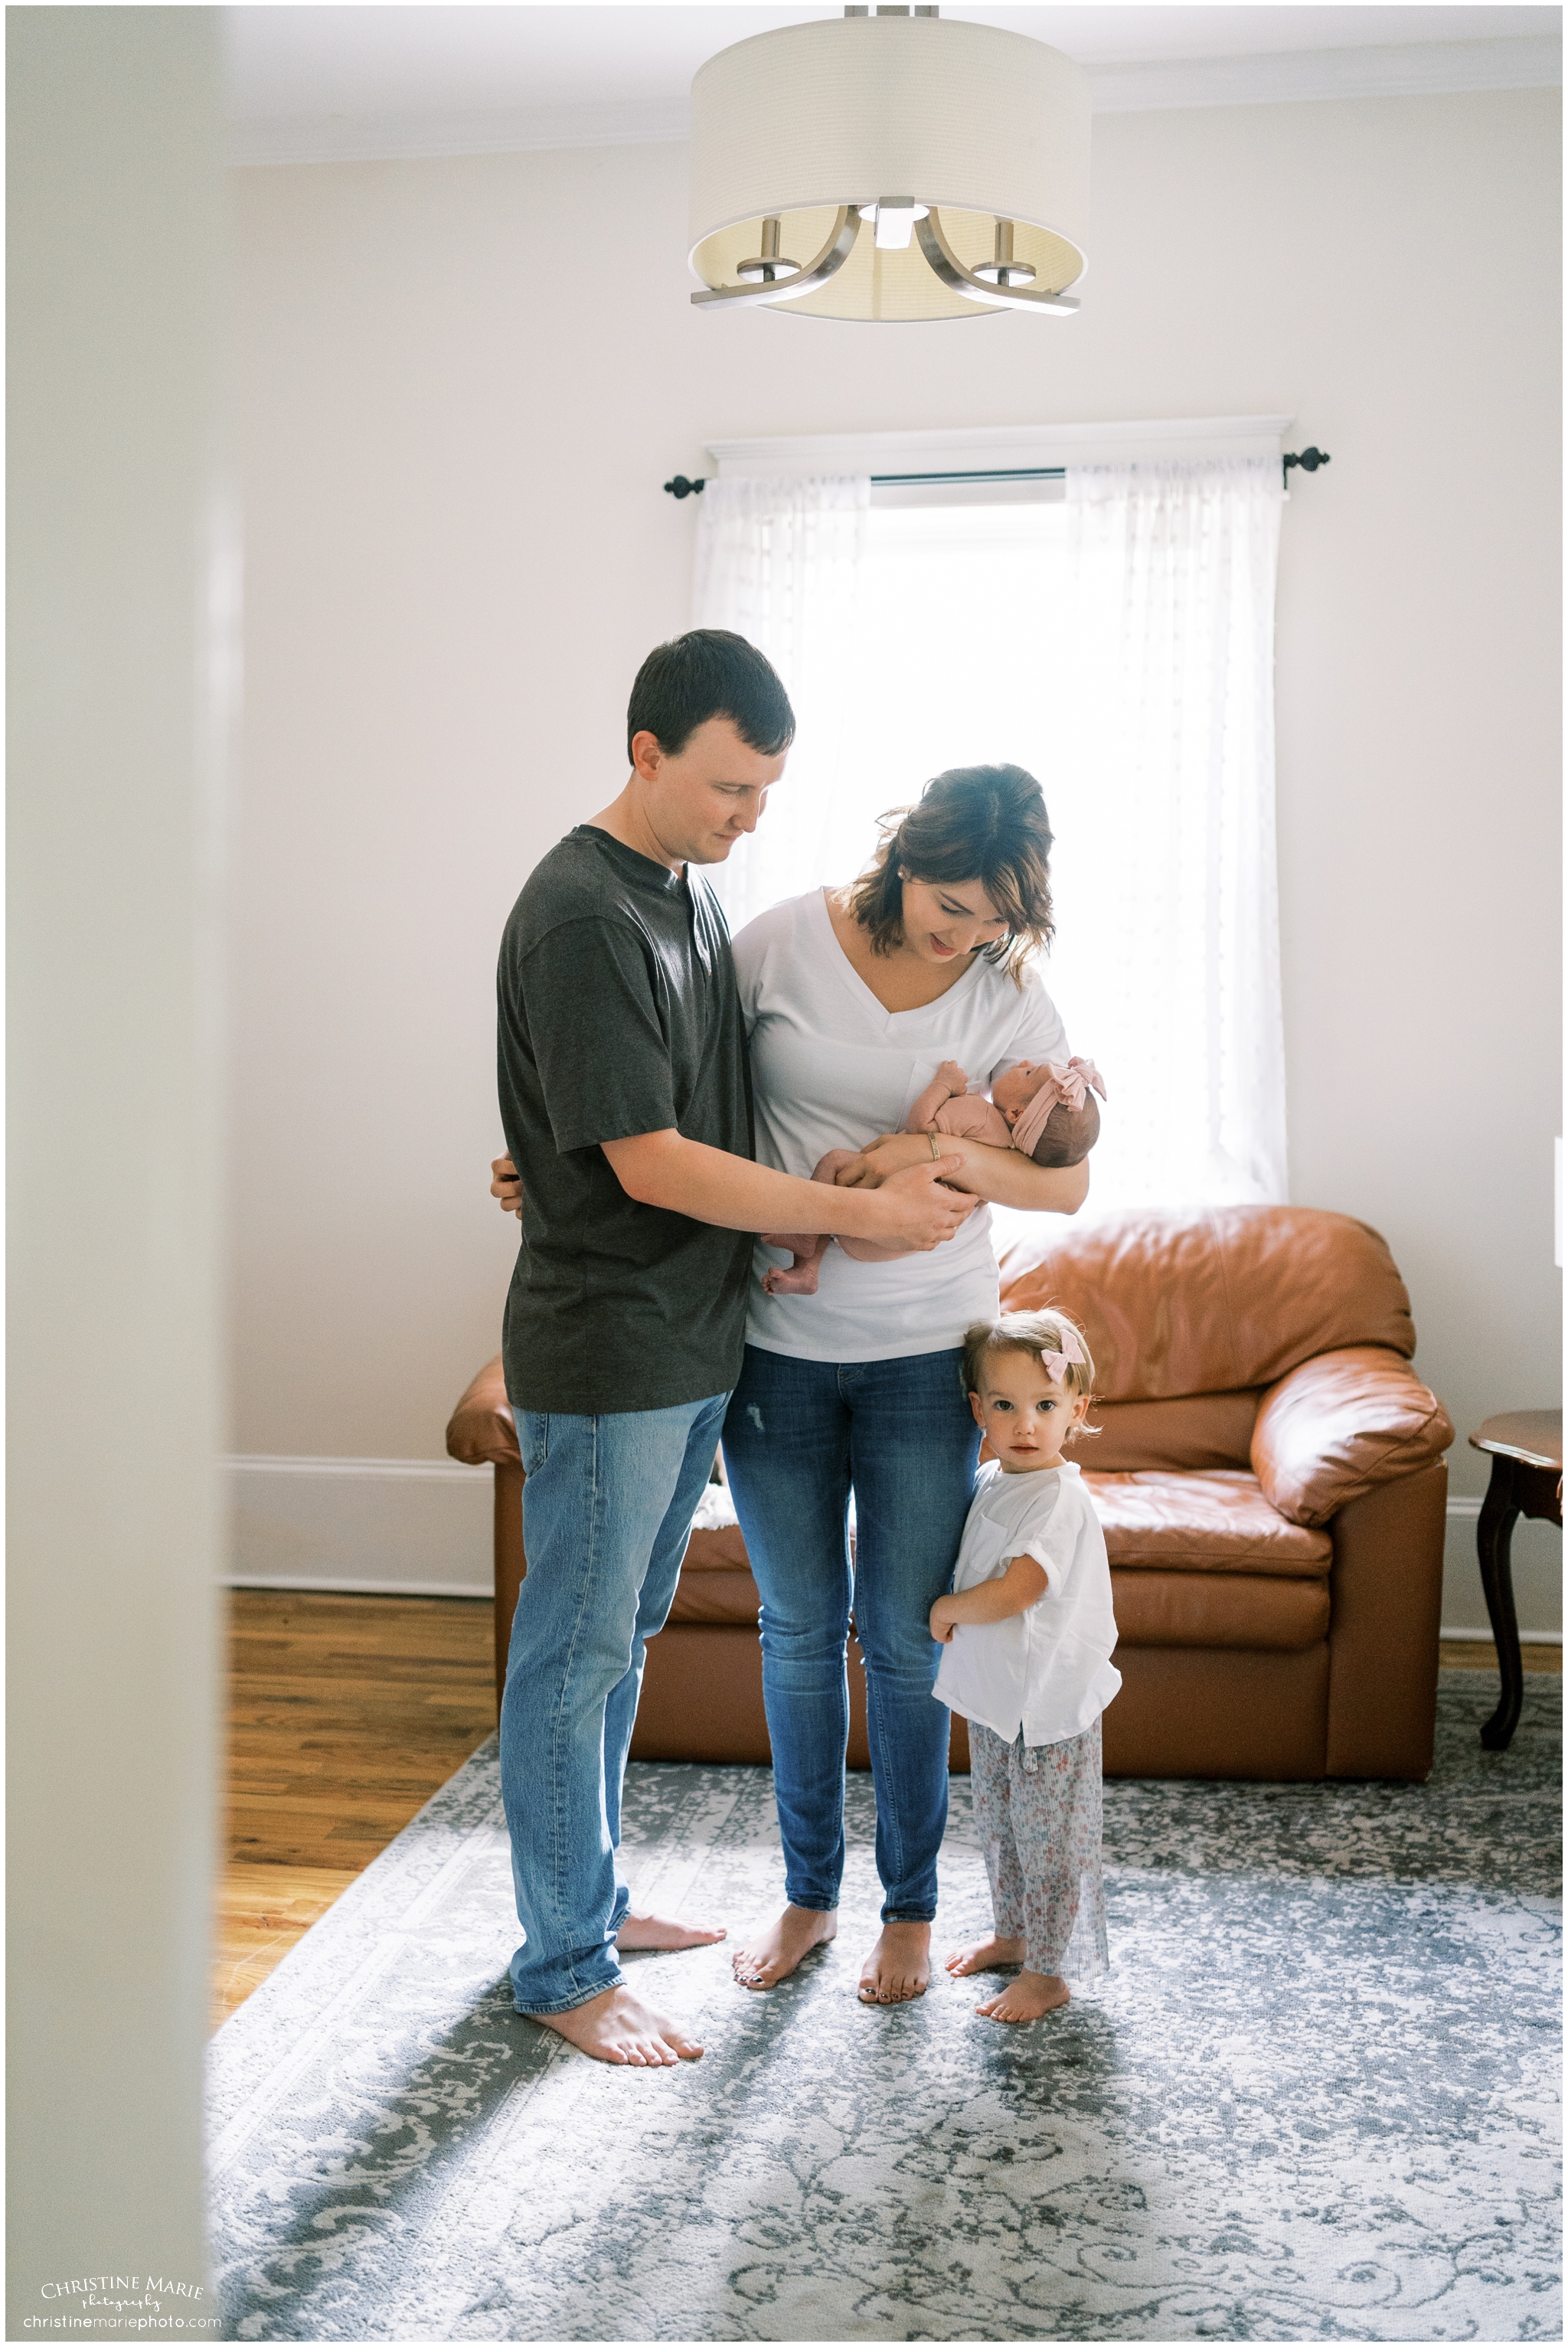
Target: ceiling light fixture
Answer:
[[799, 139]]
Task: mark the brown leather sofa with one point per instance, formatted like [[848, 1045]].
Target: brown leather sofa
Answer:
[[1269, 1471]]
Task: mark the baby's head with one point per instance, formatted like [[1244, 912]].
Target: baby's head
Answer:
[[1070, 1134], [1030, 1380]]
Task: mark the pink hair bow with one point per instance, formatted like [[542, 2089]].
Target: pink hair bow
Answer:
[[1073, 1082], [1056, 1365]]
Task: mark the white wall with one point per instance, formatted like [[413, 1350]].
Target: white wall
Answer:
[[465, 382], [114, 1544]]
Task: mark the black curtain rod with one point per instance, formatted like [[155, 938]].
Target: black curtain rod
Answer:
[[1309, 460]]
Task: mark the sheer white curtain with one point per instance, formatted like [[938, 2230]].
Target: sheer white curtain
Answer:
[[1122, 648], [1170, 744], [782, 563]]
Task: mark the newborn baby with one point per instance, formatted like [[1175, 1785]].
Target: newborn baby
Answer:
[[1046, 1112]]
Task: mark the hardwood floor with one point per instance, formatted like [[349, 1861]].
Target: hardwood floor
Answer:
[[1481, 1654], [345, 1714]]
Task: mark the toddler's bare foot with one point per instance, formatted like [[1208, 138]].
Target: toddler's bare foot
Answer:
[[771, 1952], [643, 1930], [1026, 1998], [993, 1955], [899, 1964], [617, 2027]]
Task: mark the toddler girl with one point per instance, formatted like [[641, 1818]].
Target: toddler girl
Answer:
[[1029, 1632], [1046, 1112]]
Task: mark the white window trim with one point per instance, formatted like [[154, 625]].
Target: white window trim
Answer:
[[999, 448]]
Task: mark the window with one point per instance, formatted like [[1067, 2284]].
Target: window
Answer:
[[1116, 642]]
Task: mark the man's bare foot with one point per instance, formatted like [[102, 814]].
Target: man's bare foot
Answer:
[[899, 1964], [1026, 1998], [994, 1954], [643, 1931], [771, 1952], [619, 2028]]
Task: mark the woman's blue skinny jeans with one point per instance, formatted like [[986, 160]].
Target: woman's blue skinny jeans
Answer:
[[798, 1437]]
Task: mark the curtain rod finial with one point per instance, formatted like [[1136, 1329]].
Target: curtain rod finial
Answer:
[[681, 487]]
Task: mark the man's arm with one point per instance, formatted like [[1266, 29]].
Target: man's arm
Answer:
[[1020, 1586], [1003, 1175], [912, 1209]]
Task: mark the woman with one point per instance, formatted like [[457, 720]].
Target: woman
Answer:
[[853, 997]]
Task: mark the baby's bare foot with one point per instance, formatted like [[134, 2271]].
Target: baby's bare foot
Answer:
[[771, 1952], [993, 1955], [899, 1964], [801, 1281], [1026, 1998], [619, 2028], [645, 1930]]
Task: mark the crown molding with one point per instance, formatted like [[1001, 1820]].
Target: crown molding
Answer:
[[1416, 69], [520, 130], [1289, 77]]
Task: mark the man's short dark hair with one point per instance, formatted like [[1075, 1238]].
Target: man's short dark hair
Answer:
[[709, 672]]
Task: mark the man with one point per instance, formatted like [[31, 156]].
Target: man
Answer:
[[626, 1104]]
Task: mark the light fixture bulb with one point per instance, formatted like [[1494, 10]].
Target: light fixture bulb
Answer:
[[895, 217]]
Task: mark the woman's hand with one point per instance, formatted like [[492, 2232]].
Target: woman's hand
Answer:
[[505, 1185], [1005, 1177]]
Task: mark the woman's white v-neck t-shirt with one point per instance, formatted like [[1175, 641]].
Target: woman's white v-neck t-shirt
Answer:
[[831, 1069]]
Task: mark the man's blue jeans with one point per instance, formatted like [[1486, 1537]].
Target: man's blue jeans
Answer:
[[606, 1509], [798, 1435]]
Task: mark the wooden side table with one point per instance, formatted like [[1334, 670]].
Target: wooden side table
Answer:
[[1526, 1451]]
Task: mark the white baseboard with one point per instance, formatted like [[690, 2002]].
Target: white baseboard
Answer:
[[420, 1528], [374, 1527]]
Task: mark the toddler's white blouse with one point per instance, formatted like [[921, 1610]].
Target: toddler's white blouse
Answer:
[[1048, 1670]]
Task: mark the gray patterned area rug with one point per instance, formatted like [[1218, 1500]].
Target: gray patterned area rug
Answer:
[[1315, 2099]]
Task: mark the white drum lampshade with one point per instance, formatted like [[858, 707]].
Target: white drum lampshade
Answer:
[[887, 168]]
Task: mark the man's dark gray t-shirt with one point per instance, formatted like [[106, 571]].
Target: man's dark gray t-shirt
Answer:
[[618, 1015]]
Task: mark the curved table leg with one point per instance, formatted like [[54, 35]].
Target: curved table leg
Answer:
[[1494, 1532]]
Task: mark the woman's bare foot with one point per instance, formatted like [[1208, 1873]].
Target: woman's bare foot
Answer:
[[643, 1931], [771, 1952], [1026, 1998], [899, 1964], [993, 1955], [617, 2027]]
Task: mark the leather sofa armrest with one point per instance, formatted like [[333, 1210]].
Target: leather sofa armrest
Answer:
[[480, 1430], [1337, 1426]]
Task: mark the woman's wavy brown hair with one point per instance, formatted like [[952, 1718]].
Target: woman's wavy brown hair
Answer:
[[974, 823]]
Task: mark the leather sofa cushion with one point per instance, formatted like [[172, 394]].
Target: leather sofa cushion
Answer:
[[1260, 1610], [715, 1596], [1341, 1424], [1198, 1431], [1216, 1529], [1206, 1302], [716, 1583], [480, 1429], [722, 1550], [1215, 1523]]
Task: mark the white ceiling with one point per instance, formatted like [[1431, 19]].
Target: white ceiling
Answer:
[[355, 82]]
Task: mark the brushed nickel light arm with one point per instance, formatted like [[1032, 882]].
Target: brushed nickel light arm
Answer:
[[828, 262], [946, 264]]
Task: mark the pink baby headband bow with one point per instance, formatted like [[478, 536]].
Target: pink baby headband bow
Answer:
[[1056, 1365]]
